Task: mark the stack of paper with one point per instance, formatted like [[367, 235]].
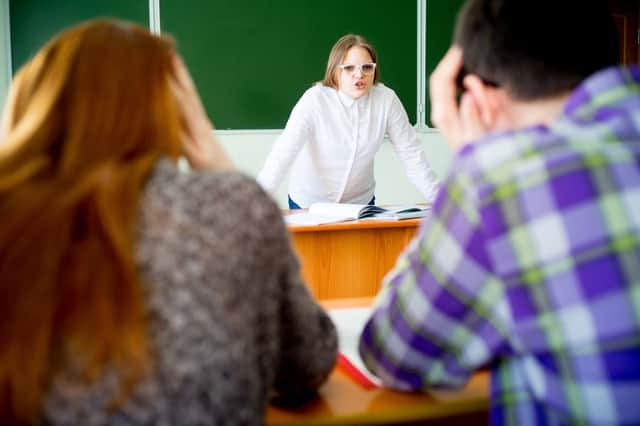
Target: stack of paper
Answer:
[[324, 213]]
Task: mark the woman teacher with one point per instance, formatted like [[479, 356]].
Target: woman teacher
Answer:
[[335, 130]]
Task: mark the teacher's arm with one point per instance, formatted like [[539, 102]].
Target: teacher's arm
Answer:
[[405, 143], [287, 145]]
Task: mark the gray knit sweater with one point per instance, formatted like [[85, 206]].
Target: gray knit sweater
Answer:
[[230, 321]]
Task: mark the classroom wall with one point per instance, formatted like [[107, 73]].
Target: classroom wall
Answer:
[[5, 51], [249, 149]]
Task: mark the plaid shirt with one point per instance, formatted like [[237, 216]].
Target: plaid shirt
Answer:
[[530, 264]]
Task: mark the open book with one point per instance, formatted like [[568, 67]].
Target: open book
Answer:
[[349, 323], [321, 213]]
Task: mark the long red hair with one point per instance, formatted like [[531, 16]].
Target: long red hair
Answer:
[[87, 119]]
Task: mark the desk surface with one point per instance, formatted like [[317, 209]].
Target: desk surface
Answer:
[[345, 402], [341, 401]]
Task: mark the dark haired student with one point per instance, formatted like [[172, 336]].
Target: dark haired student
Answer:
[[529, 264]]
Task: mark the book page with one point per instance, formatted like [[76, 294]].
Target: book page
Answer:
[[306, 218], [401, 212], [327, 213], [349, 324], [408, 208], [341, 210]]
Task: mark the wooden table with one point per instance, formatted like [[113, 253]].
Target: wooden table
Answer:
[[342, 401], [350, 259]]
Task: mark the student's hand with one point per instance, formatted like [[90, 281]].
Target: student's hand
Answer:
[[8, 112], [201, 147], [459, 124]]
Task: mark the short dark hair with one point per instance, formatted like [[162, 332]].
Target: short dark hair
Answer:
[[536, 48]]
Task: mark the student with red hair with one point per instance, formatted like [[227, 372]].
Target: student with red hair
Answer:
[[132, 293]]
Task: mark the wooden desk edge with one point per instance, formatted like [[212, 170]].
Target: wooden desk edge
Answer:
[[475, 406], [352, 302], [363, 224]]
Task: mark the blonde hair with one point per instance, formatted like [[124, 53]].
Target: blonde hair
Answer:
[[338, 53], [88, 118]]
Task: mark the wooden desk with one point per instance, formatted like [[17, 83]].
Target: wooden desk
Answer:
[[350, 259], [342, 401]]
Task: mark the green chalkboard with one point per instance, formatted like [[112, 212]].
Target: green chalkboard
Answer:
[[440, 21], [252, 60], [33, 22]]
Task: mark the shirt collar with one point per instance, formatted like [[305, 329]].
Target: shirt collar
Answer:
[[348, 101]]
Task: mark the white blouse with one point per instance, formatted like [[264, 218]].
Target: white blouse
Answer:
[[332, 139]]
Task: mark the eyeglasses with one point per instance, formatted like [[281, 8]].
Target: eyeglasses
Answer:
[[365, 69]]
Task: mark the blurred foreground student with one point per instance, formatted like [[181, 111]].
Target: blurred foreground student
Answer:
[[132, 293], [336, 129], [530, 263]]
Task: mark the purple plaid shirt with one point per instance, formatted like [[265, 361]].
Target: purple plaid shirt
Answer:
[[530, 264]]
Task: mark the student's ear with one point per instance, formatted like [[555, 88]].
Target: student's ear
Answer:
[[486, 98]]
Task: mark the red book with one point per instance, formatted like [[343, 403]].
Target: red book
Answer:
[[346, 366]]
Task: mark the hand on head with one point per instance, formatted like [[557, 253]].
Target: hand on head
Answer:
[[201, 147], [8, 113], [462, 122]]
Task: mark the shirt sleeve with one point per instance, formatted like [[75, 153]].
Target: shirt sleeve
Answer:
[[309, 341], [405, 143], [287, 145], [441, 313], [307, 337]]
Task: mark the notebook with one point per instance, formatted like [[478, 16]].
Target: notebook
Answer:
[[326, 213]]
